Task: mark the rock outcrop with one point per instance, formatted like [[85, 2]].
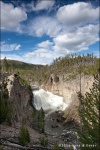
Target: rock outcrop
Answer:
[[20, 100], [68, 89]]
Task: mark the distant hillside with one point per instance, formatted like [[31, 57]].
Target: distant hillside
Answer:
[[67, 68], [15, 64]]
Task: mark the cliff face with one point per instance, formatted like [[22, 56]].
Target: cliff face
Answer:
[[68, 90], [20, 100]]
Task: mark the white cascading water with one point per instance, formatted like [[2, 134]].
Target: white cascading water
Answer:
[[48, 101]]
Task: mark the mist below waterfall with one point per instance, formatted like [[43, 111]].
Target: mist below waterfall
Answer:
[[48, 101]]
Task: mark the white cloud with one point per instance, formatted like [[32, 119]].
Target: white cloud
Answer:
[[67, 19], [9, 47], [63, 44], [77, 14], [43, 53], [43, 25], [39, 56], [40, 5], [45, 44], [11, 17], [78, 40]]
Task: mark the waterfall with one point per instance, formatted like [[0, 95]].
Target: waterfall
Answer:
[[48, 101]]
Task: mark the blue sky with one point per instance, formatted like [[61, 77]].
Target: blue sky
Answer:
[[38, 31]]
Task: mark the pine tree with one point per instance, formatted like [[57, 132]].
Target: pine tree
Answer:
[[41, 120], [5, 64], [89, 116], [24, 136], [5, 107]]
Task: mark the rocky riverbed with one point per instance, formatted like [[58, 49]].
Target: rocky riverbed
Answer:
[[57, 127], [55, 131]]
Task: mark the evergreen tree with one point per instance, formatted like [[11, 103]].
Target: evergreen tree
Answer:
[[5, 107], [89, 116], [24, 136], [5, 64], [41, 120]]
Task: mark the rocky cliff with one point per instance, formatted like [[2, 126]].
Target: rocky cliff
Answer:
[[20, 100], [68, 89]]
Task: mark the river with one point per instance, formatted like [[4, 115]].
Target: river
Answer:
[[53, 106]]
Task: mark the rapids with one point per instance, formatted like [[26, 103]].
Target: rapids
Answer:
[[48, 101]]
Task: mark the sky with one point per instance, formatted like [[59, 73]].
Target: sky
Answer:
[[39, 31]]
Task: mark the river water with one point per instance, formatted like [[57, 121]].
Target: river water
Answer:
[[48, 101], [52, 105]]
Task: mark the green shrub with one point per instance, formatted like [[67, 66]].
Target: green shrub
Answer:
[[56, 146], [24, 136], [43, 141]]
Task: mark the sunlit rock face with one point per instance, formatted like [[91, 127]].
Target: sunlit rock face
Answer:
[[48, 101], [69, 88]]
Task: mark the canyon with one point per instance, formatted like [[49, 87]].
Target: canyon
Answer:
[[61, 97]]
